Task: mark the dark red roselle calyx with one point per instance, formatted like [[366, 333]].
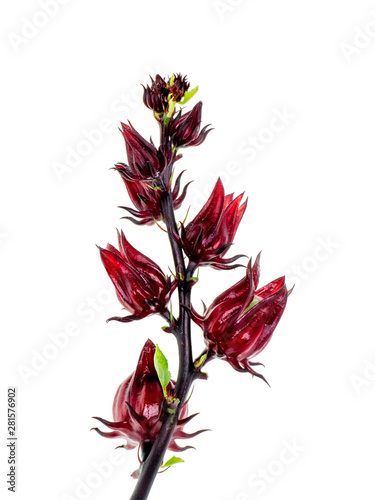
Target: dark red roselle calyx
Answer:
[[141, 286], [178, 86], [240, 322], [139, 408], [145, 161], [184, 129], [147, 200], [158, 96], [207, 238]]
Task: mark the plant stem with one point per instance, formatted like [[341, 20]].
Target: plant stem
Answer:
[[186, 374]]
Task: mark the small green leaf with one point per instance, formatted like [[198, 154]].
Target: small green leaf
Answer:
[[171, 319], [172, 461], [171, 81], [175, 277], [171, 106], [189, 95], [173, 402], [194, 278], [200, 361], [161, 365]]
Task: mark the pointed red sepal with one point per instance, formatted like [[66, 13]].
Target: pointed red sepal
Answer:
[[113, 434], [240, 322], [146, 197], [141, 286], [139, 408], [185, 128], [173, 446], [145, 161], [207, 238]]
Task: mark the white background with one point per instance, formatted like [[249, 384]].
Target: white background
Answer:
[[310, 186]]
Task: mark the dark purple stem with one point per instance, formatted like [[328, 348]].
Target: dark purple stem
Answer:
[[186, 373]]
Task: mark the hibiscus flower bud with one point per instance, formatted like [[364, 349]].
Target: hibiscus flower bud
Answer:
[[139, 408], [185, 128], [240, 322], [147, 200], [156, 96], [145, 161], [207, 238], [141, 286], [178, 86], [162, 92]]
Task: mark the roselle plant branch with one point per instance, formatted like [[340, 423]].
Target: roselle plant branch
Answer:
[[150, 409], [186, 374]]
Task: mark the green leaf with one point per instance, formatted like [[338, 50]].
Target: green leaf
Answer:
[[200, 361], [171, 106], [189, 95], [172, 461], [161, 365], [194, 278]]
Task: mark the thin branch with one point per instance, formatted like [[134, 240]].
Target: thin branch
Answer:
[[186, 374]]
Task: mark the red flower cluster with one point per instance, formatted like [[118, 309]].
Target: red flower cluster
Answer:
[[148, 172], [139, 407], [147, 200], [161, 92], [240, 321], [185, 129], [236, 326], [145, 161], [141, 286], [207, 238]]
